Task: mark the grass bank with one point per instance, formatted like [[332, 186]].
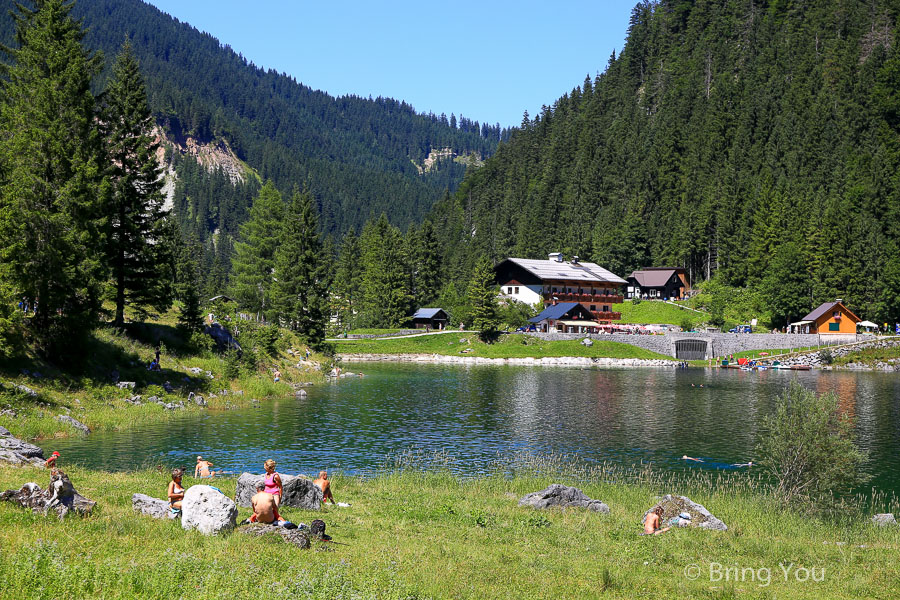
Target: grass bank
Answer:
[[420, 534], [508, 346], [89, 393], [657, 311], [869, 356]]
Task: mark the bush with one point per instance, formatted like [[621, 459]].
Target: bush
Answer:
[[808, 448], [686, 324], [826, 357], [231, 365], [635, 301]]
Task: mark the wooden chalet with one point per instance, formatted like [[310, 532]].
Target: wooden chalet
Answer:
[[566, 317], [559, 281], [657, 282], [831, 318], [430, 318]]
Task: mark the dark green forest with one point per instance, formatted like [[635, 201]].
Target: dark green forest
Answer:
[[752, 142], [356, 156]]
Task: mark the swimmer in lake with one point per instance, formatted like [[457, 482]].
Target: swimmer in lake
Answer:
[[686, 457]]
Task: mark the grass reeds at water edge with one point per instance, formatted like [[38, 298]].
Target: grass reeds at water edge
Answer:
[[414, 533]]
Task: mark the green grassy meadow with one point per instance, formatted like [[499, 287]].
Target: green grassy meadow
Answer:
[[507, 346], [416, 534], [656, 311]]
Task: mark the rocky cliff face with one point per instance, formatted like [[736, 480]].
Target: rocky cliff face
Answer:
[[214, 155]]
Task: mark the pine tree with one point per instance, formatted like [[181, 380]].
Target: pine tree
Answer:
[[187, 287], [429, 265], [253, 264], [300, 291], [347, 280], [52, 183], [385, 293], [136, 209], [482, 297]]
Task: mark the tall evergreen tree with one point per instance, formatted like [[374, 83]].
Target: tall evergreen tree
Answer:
[[347, 278], [253, 263], [385, 292], [482, 297], [187, 286], [134, 226], [428, 280], [299, 271], [52, 184]]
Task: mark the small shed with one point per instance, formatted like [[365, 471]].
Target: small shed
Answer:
[[566, 317], [431, 318]]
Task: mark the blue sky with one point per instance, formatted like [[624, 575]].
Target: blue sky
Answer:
[[488, 60]]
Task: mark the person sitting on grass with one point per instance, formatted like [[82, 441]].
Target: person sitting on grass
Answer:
[[175, 492], [202, 469], [273, 481], [265, 510], [651, 523], [323, 484]]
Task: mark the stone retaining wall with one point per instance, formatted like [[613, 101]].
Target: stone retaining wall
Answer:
[[718, 344], [563, 361]]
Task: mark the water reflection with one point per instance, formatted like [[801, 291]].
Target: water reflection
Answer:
[[478, 413]]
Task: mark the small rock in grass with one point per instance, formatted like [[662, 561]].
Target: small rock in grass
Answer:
[[884, 519], [563, 496], [74, 423], [153, 507]]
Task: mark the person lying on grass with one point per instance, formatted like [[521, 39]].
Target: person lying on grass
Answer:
[[265, 510], [651, 523]]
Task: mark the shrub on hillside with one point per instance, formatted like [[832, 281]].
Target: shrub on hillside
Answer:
[[808, 449]]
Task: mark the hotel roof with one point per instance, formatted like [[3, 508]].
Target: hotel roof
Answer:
[[580, 271]]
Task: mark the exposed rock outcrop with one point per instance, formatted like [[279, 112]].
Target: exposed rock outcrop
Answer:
[[152, 507], [16, 452], [673, 506], [298, 491], [207, 510], [562, 496], [295, 537], [884, 519], [74, 423]]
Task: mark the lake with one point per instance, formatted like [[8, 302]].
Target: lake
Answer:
[[479, 413]]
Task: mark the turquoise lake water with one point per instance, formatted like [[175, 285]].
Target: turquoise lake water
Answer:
[[478, 414]]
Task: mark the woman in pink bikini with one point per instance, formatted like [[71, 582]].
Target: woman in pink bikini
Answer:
[[273, 481]]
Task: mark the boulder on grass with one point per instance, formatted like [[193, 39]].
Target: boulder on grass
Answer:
[[15, 451], [207, 510], [884, 519], [673, 506], [152, 507], [295, 537], [74, 423], [563, 496], [298, 491]]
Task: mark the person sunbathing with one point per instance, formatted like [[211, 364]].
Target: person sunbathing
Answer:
[[325, 486], [265, 510], [651, 522], [175, 493]]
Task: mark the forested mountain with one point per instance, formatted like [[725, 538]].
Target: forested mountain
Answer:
[[357, 156], [748, 140]]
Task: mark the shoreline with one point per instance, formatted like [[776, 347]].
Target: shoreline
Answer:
[[529, 361]]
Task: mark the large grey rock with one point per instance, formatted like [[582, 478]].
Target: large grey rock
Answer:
[[295, 537], [884, 519], [74, 423], [152, 507], [298, 492], [673, 506], [207, 510], [563, 496], [16, 452]]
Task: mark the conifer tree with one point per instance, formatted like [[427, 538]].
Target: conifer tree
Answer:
[[384, 280], [482, 297], [187, 287], [135, 213], [253, 264], [347, 279], [429, 265], [299, 271], [52, 185]]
